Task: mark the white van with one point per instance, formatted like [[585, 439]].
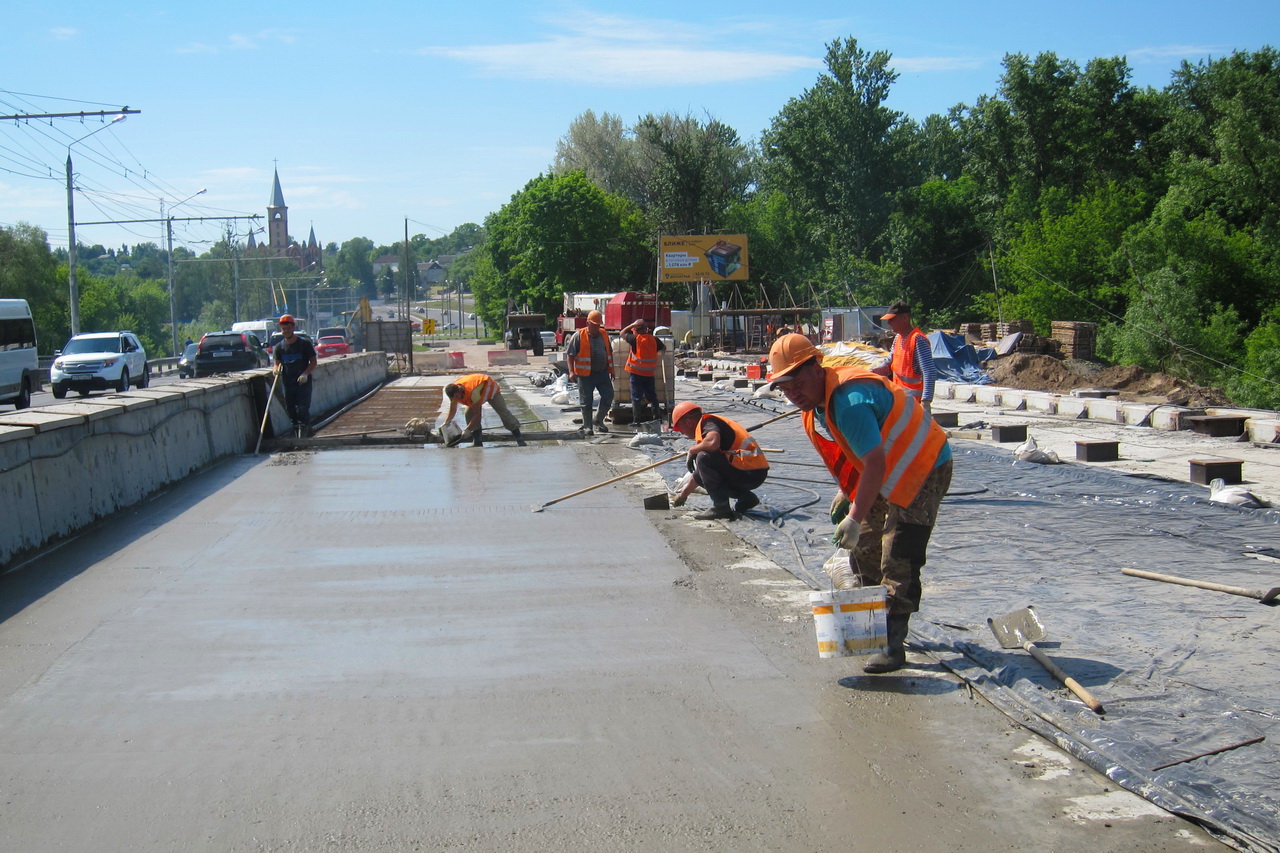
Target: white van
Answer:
[[19, 366], [261, 329]]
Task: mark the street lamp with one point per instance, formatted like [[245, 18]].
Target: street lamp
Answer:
[[71, 229], [173, 303]]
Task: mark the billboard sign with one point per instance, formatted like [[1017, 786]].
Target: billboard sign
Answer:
[[709, 257]]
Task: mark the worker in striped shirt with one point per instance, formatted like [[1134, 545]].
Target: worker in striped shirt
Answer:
[[911, 366]]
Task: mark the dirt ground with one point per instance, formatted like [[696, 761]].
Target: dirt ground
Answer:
[[1058, 376]]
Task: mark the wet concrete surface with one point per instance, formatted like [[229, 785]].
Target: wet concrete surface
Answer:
[[386, 649]]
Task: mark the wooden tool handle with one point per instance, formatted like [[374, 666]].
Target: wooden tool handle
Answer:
[[1218, 587], [612, 480], [1074, 686]]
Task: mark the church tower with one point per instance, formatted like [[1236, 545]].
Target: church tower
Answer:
[[277, 219]]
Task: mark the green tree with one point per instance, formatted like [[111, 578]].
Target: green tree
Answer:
[[839, 153], [560, 234]]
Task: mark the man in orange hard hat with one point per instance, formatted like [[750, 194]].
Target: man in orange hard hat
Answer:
[[589, 355], [295, 359], [892, 463], [725, 460]]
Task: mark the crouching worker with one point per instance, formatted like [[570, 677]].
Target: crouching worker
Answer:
[[473, 391], [890, 459], [725, 460]]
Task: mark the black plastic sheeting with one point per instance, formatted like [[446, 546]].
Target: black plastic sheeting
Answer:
[[1180, 671]]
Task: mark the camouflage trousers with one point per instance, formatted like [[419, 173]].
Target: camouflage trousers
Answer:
[[892, 544]]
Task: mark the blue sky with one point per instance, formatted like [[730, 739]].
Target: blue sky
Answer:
[[439, 112]]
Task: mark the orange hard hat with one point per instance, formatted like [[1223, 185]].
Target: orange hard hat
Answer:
[[789, 352], [596, 318], [683, 408], [286, 318]]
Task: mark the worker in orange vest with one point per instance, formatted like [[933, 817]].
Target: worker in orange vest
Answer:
[[473, 391], [589, 355], [892, 463], [641, 367], [911, 366], [725, 460]]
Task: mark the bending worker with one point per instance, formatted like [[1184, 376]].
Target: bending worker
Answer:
[[725, 460], [295, 359], [641, 366], [912, 363], [473, 391], [893, 465], [590, 358]]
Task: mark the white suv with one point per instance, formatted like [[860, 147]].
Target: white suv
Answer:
[[98, 362]]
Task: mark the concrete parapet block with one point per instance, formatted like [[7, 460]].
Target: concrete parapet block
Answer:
[[1135, 413], [1071, 407], [1012, 398], [943, 390], [988, 394], [1169, 418], [962, 393], [1043, 402], [1263, 429], [501, 356], [1109, 411]]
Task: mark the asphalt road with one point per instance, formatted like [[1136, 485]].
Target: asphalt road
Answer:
[[387, 650]]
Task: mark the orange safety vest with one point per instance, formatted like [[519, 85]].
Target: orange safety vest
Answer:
[[912, 441], [581, 364], [745, 453], [643, 360], [904, 363], [477, 389]]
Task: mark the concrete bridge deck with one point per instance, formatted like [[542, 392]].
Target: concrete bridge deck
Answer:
[[385, 649]]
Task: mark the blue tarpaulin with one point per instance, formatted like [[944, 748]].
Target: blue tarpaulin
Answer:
[[957, 361]]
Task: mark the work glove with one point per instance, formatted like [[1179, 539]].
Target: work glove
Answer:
[[679, 501], [303, 379], [839, 507], [847, 533]]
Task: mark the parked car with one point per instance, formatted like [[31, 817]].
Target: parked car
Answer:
[[187, 364], [224, 352], [332, 345], [548, 339], [19, 365], [99, 361]]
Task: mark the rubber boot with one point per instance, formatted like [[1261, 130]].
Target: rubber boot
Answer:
[[718, 510], [520, 442], [600, 427], [586, 421], [477, 438], [746, 502], [896, 656]]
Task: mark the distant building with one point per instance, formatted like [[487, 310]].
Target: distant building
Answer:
[[279, 243]]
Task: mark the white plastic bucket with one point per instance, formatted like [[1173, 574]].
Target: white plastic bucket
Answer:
[[850, 621]]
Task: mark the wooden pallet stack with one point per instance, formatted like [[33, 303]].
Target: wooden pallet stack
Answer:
[[1076, 339], [1005, 329]]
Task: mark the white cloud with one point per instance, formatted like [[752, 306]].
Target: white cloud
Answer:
[[64, 33], [614, 50], [917, 64], [1176, 51], [242, 41]]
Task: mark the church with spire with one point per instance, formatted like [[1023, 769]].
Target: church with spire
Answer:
[[279, 243]]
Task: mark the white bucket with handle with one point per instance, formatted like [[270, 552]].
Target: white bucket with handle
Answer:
[[850, 621]]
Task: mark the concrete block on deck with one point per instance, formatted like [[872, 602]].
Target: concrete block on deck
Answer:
[[962, 393], [1071, 407], [1210, 468], [431, 360], [943, 390], [503, 356]]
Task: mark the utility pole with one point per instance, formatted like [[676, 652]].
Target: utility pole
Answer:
[[173, 301], [73, 281]]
